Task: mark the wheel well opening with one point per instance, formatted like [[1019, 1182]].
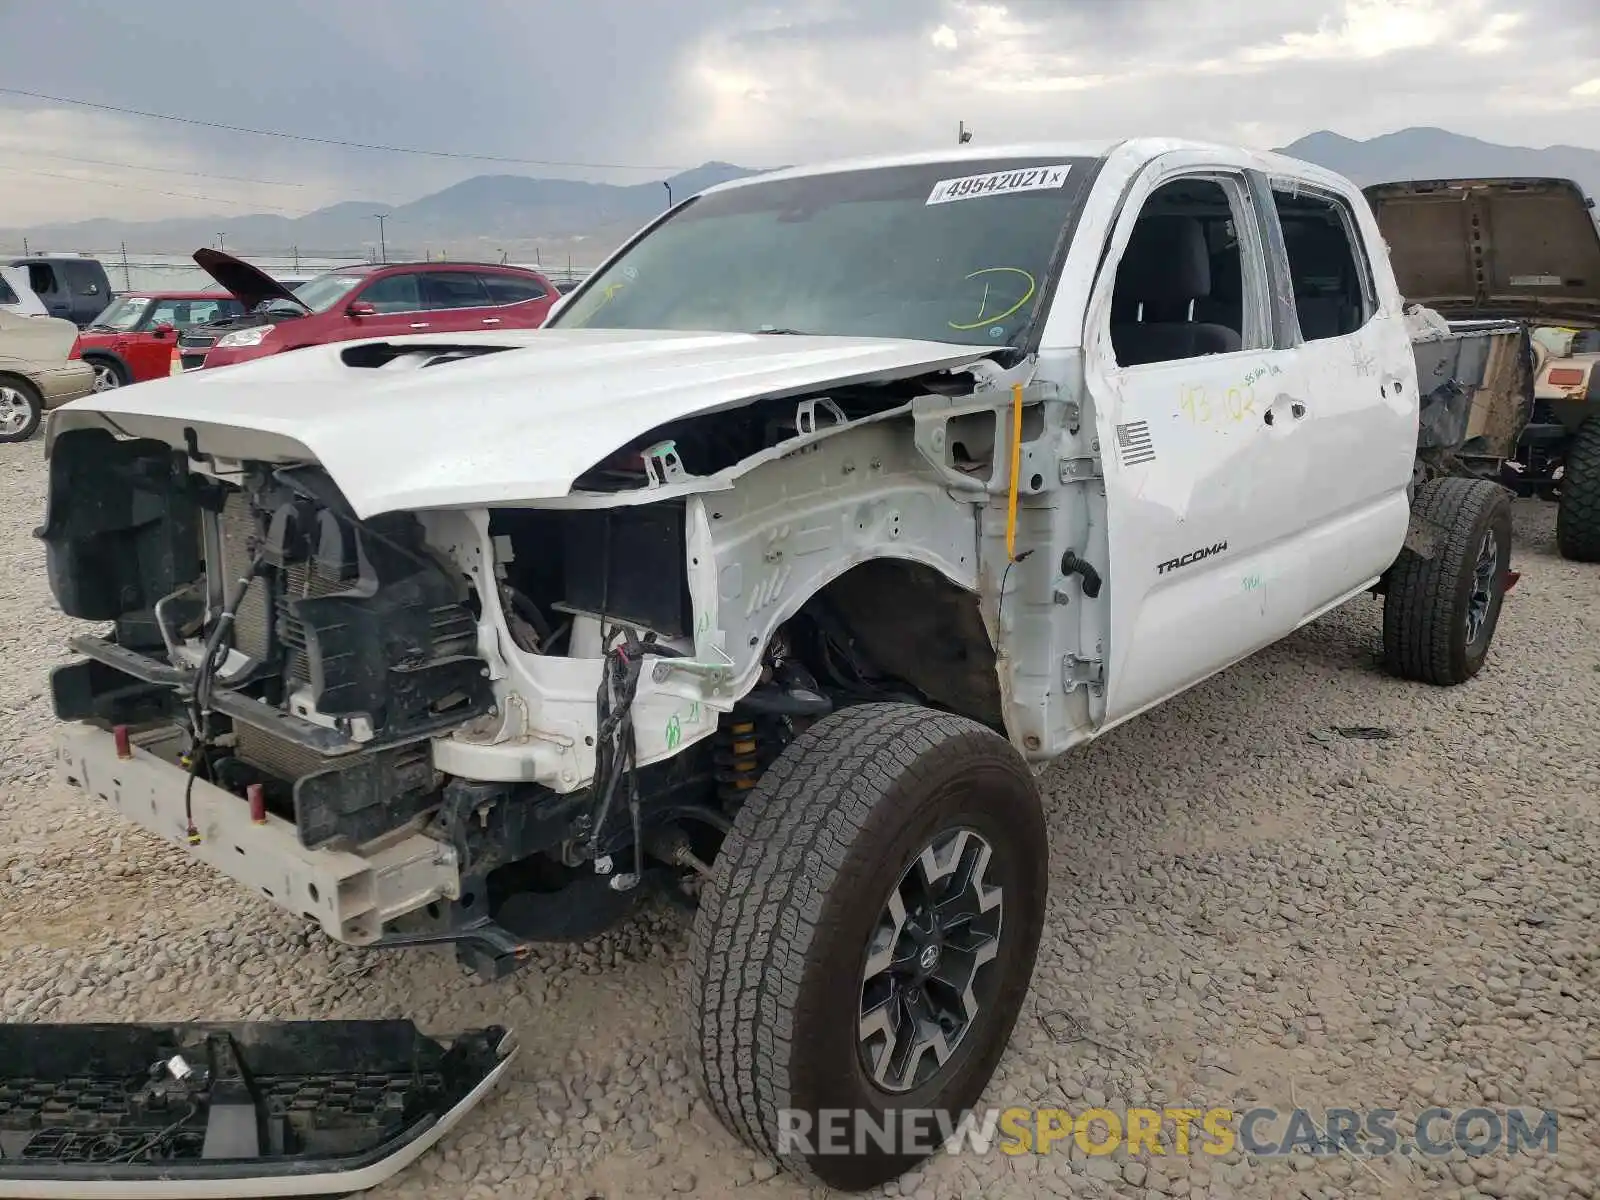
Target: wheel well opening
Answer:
[[902, 620]]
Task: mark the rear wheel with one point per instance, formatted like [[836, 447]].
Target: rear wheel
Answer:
[[21, 409], [1578, 517], [1440, 611], [108, 373], [866, 940]]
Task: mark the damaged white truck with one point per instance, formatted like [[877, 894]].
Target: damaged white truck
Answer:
[[832, 506]]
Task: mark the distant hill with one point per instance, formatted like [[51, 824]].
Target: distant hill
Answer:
[[1439, 154], [500, 210], [557, 217]]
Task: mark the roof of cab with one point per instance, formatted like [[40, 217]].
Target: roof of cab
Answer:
[[1264, 160]]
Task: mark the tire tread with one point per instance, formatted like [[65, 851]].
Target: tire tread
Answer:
[[1578, 515], [759, 914], [1420, 611]]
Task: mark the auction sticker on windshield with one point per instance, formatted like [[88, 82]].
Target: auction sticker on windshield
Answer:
[[996, 183]]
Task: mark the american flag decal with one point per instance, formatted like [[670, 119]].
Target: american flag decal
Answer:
[[1134, 444]]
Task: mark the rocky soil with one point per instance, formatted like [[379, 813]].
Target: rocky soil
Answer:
[[1248, 907]]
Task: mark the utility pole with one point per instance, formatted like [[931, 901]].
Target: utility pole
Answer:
[[26, 253], [668, 186], [383, 247], [963, 134], [296, 251], [127, 283], [221, 245]]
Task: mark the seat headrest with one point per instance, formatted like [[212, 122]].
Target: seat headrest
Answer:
[[1166, 261]]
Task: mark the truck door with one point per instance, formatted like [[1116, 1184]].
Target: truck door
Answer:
[[1359, 427], [1195, 396]]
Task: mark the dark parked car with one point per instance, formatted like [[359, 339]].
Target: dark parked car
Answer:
[[75, 289]]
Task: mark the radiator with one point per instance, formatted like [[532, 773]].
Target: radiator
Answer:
[[252, 631]]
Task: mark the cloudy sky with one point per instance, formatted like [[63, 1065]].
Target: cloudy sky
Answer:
[[633, 89]]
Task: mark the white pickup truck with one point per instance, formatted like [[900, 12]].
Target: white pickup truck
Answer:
[[833, 505]]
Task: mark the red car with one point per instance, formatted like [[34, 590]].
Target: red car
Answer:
[[133, 339], [379, 300]]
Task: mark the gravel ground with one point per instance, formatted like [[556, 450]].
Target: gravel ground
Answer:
[[1246, 908]]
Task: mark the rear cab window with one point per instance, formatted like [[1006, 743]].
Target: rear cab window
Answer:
[[1329, 276]]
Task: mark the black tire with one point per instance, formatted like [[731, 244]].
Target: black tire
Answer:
[[1427, 634], [780, 946], [19, 399], [1578, 516], [117, 372]]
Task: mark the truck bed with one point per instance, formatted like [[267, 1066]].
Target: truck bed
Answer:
[[1476, 384]]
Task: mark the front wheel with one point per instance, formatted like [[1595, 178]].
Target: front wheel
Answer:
[[21, 409], [866, 940], [1578, 517], [108, 375], [1442, 607]]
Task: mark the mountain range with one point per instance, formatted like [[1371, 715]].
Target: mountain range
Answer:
[[525, 216]]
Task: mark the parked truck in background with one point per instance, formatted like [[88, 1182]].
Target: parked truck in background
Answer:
[[835, 503], [71, 286], [1523, 251]]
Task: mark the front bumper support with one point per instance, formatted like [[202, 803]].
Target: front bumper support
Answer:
[[351, 895]]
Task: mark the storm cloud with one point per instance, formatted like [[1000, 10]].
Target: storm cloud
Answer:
[[637, 90]]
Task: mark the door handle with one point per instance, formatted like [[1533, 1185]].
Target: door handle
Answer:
[[1296, 409], [419, 324], [491, 320]]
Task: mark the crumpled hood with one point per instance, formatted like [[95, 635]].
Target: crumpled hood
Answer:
[[1515, 248], [518, 425]]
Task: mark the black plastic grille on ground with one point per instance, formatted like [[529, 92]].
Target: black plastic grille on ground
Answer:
[[103, 1097]]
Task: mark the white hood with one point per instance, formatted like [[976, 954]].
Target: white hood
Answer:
[[503, 428]]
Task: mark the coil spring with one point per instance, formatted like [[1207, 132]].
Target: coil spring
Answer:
[[738, 758]]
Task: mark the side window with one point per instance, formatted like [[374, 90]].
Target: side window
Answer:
[[166, 312], [393, 294], [1327, 271], [83, 279], [1192, 279], [41, 279], [512, 289], [454, 289]]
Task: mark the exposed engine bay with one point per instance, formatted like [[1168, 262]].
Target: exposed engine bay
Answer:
[[456, 700]]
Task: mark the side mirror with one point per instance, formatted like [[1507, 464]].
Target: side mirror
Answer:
[[362, 308], [162, 329]]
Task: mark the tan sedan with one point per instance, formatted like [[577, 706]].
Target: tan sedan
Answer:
[[36, 373]]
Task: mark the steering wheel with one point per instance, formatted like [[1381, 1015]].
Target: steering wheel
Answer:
[[999, 293]]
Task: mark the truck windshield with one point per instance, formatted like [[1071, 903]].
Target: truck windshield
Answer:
[[950, 252]]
